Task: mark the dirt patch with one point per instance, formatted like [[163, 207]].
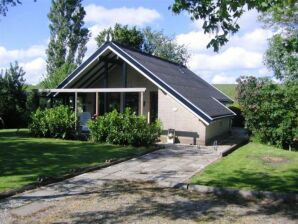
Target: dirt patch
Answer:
[[274, 159]]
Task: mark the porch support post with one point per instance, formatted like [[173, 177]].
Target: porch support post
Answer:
[[105, 99], [141, 102], [124, 85], [96, 104], [76, 107]]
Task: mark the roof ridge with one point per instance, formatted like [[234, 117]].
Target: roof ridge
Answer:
[[147, 54]]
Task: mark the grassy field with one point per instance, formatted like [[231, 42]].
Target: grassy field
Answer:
[[23, 158], [253, 166], [228, 89]]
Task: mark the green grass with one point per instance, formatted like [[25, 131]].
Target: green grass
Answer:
[[23, 158], [253, 166], [228, 89]]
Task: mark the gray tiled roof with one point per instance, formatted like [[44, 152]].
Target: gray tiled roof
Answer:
[[185, 82], [187, 87]]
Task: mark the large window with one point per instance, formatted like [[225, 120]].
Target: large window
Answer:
[[132, 101]]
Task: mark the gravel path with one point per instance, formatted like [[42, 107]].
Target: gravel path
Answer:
[[145, 202]]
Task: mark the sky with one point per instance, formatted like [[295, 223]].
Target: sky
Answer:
[[24, 36]]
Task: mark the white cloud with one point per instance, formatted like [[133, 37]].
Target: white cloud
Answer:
[[31, 59], [99, 18], [231, 58], [34, 69], [131, 16], [223, 79], [194, 41], [7, 56], [243, 54]]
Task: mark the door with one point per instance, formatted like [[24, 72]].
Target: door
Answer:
[[153, 106]]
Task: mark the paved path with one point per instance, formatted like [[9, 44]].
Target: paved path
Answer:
[[166, 167]]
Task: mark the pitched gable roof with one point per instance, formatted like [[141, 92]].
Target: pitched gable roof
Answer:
[[195, 93]]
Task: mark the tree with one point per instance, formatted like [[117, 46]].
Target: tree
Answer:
[[68, 36], [220, 17], [282, 55], [148, 41], [58, 75], [4, 4], [125, 35], [270, 110], [158, 44], [13, 96]]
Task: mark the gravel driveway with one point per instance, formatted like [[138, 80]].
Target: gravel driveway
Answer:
[[144, 202]]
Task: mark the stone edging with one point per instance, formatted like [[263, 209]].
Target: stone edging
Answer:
[[75, 172], [246, 194]]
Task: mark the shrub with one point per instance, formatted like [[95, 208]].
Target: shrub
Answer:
[[57, 122], [124, 129], [270, 110]]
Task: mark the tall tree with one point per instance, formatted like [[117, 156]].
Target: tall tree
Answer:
[[161, 45], [129, 36], [13, 96], [148, 41], [221, 17], [282, 55], [68, 35]]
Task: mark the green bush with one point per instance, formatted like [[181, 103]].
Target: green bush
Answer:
[[270, 110], [124, 129], [57, 122]]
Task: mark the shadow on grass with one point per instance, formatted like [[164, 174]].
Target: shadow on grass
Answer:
[[23, 159], [260, 181]]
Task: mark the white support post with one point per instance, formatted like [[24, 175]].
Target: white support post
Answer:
[[142, 103], [148, 117], [76, 107], [96, 104]]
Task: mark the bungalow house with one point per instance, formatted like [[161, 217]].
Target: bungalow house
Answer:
[[115, 77]]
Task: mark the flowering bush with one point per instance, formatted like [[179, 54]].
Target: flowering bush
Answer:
[[270, 110]]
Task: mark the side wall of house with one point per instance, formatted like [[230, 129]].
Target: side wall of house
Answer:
[[217, 128], [189, 128]]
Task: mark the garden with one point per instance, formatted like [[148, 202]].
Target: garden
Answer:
[[41, 143]]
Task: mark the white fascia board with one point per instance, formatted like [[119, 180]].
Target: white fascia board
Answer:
[[204, 121], [94, 90]]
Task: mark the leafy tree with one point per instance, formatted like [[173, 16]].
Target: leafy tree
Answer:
[[4, 4], [282, 56], [220, 17], [68, 35], [125, 35], [147, 41], [13, 96], [158, 44], [58, 75], [270, 110]]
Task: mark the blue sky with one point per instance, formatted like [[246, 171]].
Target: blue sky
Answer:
[[24, 35]]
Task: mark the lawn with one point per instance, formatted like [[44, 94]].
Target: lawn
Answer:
[[23, 158], [228, 89], [253, 166]]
